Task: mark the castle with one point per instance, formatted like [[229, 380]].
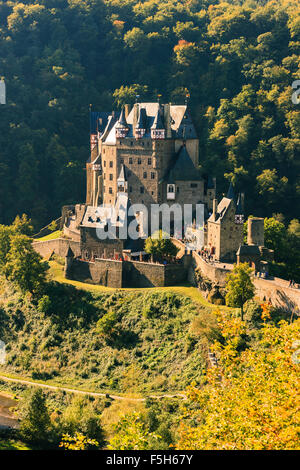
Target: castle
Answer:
[[149, 155]]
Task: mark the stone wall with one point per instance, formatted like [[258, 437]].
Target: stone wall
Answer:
[[58, 246], [102, 271], [141, 274], [278, 293], [137, 274], [91, 244]]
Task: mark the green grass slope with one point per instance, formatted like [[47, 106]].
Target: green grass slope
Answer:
[[148, 345]]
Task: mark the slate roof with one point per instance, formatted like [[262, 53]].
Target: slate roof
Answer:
[[181, 122], [221, 210], [158, 123], [230, 194], [183, 168], [239, 206], [248, 250], [122, 176], [122, 123]]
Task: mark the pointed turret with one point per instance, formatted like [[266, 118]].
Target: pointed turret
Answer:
[[140, 127], [122, 123], [122, 180], [230, 194], [158, 128], [122, 126], [239, 213]]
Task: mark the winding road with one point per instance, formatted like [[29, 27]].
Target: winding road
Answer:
[[91, 394]]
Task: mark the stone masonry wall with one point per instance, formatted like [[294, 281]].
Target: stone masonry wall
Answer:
[[58, 246], [102, 271]]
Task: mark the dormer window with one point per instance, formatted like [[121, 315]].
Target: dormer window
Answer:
[[239, 219], [121, 133], [139, 133], [158, 133], [170, 191]]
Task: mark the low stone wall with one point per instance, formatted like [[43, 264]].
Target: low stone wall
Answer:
[[101, 271], [141, 274], [137, 274], [279, 294], [58, 246]]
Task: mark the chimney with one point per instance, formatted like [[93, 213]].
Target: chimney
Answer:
[[167, 119], [214, 212], [135, 115], [126, 109]]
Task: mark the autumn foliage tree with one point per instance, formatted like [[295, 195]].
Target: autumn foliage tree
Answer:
[[239, 286], [251, 400]]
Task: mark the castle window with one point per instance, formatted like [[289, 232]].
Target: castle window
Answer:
[[110, 164], [110, 190], [130, 160], [103, 149], [142, 189], [111, 177], [131, 142], [139, 161], [178, 189], [104, 162], [171, 191], [149, 161], [152, 175], [194, 185], [104, 176], [145, 174]]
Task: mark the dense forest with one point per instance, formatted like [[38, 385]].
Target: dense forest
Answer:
[[237, 59]]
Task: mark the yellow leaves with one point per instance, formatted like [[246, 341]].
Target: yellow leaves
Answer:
[[257, 403], [77, 442]]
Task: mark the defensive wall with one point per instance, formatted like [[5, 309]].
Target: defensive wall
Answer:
[[59, 246], [115, 273]]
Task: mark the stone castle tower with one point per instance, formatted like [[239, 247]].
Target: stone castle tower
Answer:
[[155, 148]]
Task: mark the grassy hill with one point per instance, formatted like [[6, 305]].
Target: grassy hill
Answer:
[[150, 345]]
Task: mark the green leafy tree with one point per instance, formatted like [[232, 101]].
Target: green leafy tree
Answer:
[[24, 265], [160, 245], [106, 325], [81, 417], [131, 433], [239, 286], [35, 420]]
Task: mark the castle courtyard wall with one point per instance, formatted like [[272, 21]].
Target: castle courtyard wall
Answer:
[[59, 246]]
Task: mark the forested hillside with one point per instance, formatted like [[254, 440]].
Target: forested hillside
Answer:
[[237, 59]]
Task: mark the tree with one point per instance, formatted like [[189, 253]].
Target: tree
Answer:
[[24, 265], [239, 286], [35, 420], [106, 324], [160, 245], [131, 433], [254, 405], [81, 419], [22, 225], [78, 442]]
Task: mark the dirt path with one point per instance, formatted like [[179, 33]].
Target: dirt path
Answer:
[[92, 394], [7, 418]]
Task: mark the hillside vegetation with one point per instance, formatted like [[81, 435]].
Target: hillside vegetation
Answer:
[[237, 59], [123, 341]]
